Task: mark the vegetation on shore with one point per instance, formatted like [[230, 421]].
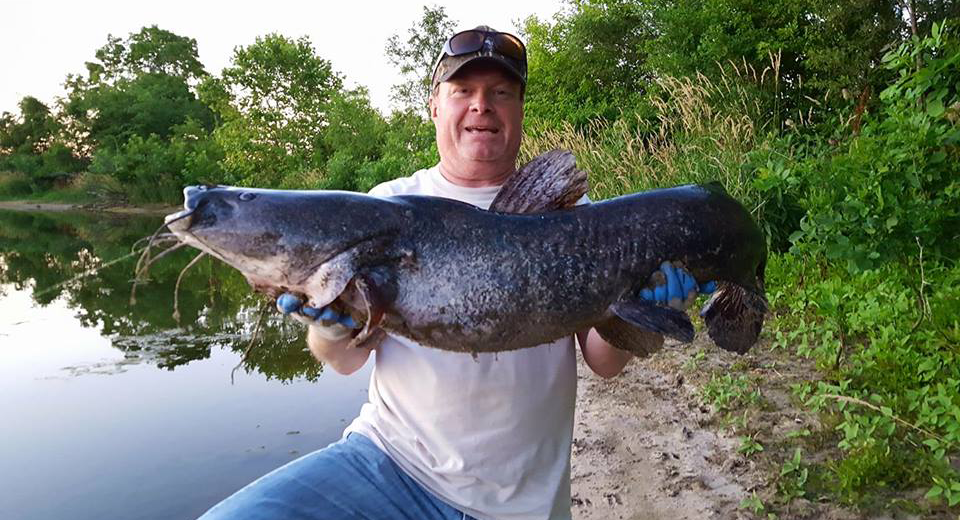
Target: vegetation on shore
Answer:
[[836, 124]]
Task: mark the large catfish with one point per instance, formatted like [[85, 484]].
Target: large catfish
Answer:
[[533, 269]]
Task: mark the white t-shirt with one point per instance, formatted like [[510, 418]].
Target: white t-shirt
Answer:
[[489, 435]]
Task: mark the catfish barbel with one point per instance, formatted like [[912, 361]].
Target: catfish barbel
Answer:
[[452, 276]]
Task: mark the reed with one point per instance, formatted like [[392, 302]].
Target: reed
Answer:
[[700, 131]]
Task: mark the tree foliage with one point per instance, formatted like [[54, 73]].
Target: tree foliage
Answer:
[[416, 56], [588, 63], [30, 143], [273, 104], [140, 86]]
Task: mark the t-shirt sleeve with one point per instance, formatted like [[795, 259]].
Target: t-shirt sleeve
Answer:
[[381, 190]]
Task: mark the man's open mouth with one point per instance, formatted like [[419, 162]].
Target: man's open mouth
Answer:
[[478, 129]]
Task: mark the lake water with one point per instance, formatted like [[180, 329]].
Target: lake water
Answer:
[[113, 410]]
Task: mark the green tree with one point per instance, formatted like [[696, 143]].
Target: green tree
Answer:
[[417, 55], [29, 133], [368, 149], [273, 104], [140, 86], [30, 143], [821, 46], [588, 63]]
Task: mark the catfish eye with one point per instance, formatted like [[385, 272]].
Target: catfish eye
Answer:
[[246, 196]]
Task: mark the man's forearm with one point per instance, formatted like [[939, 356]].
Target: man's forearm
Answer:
[[603, 358], [335, 352]]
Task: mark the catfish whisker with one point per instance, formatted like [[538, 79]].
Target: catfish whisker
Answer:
[[153, 237], [145, 256], [158, 238], [164, 253], [88, 272], [264, 309], [176, 288]]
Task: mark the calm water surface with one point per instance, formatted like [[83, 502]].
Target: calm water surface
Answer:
[[109, 410]]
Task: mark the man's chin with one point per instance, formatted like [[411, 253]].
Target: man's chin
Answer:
[[483, 153]]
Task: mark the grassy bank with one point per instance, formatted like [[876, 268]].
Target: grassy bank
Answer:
[[82, 188]]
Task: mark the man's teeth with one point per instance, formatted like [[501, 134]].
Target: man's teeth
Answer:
[[481, 129]]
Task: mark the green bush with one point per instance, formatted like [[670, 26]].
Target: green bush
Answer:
[[878, 195], [14, 184], [886, 340], [156, 170]]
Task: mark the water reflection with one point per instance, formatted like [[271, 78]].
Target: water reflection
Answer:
[[113, 411], [39, 252]]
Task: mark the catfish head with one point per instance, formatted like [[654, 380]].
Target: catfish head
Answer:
[[308, 242]]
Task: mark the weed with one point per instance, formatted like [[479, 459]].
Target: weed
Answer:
[[727, 392], [749, 446], [694, 362], [793, 477], [753, 504]]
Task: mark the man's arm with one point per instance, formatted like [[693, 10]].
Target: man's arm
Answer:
[[603, 358], [328, 334], [672, 286], [334, 352]]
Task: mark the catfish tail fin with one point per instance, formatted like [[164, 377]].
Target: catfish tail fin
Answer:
[[734, 316]]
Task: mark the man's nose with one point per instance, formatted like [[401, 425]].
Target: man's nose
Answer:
[[481, 102]]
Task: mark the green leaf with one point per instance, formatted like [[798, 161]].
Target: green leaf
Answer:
[[935, 107], [934, 492]]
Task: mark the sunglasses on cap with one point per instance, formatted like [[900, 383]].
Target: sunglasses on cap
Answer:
[[474, 40], [466, 46]]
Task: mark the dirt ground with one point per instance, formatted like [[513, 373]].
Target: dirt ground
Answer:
[[643, 450]]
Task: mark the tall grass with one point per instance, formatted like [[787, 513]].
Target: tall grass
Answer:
[[701, 131], [14, 185]]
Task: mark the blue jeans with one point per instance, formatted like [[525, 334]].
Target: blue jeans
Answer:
[[349, 479]]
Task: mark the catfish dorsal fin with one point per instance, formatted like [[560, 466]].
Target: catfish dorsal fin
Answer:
[[548, 182]]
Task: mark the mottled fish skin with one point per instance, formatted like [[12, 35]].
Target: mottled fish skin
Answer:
[[455, 277]]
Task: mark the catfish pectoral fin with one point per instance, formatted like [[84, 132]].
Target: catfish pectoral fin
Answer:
[[377, 293], [734, 317], [655, 318], [368, 338], [625, 336]]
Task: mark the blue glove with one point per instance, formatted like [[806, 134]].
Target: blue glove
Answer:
[[293, 306], [675, 287]]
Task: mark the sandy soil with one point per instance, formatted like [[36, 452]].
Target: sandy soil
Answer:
[[643, 449]]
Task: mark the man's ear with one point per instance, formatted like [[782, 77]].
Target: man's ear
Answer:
[[432, 105]]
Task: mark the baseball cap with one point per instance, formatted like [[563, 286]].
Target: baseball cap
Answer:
[[481, 43]]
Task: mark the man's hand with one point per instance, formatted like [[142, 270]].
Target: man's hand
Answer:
[[675, 287], [327, 322]]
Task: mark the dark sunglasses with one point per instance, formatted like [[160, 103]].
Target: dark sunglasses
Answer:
[[474, 40]]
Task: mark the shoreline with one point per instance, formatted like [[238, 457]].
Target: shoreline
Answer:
[[27, 205]]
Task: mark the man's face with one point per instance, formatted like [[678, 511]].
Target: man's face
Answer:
[[478, 116]]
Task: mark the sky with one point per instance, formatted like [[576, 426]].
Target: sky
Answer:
[[43, 41]]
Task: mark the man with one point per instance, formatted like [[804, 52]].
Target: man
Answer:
[[444, 434]]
